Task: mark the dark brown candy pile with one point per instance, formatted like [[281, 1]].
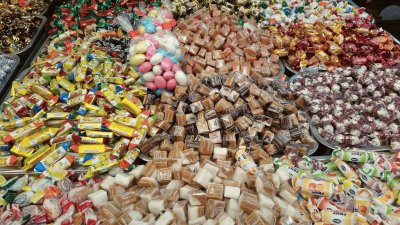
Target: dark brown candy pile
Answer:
[[28, 8], [354, 106], [227, 112], [16, 32]]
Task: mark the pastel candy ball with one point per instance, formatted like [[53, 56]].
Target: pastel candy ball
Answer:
[[156, 59], [151, 85], [166, 64], [160, 82], [168, 75], [145, 67], [171, 84], [181, 78], [152, 13], [141, 47], [141, 29], [138, 59], [157, 70], [149, 76], [151, 50], [175, 67], [150, 28]]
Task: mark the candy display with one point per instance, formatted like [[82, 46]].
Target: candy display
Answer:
[[155, 50], [78, 103], [31, 7], [242, 8], [283, 13], [17, 31], [79, 14], [353, 107], [336, 44], [32, 200], [220, 113], [215, 42]]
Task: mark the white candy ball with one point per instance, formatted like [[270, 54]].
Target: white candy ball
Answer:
[[156, 59], [181, 78], [149, 76], [157, 70]]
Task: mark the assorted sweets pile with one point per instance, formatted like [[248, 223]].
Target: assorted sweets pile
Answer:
[[31, 7], [218, 114], [17, 31], [336, 44], [354, 106], [213, 41], [6, 65], [77, 104], [78, 14], [282, 13], [353, 187]]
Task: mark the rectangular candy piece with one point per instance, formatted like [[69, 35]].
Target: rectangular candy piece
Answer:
[[120, 129], [90, 148]]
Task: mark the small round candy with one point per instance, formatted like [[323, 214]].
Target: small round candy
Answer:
[[141, 47], [149, 76], [152, 13], [156, 59], [138, 59], [166, 64], [160, 82], [150, 28], [181, 78], [168, 75], [141, 29], [175, 67], [151, 50], [157, 70], [151, 85], [145, 67], [171, 84]]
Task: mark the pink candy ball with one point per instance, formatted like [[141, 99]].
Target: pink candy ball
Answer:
[[175, 67], [145, 67], [166, 64], [151, 85], [168, 75], [171, 84], [151, 50], [160, 82]]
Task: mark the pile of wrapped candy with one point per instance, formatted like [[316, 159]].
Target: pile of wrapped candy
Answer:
[[354, 187], [215, 42], [32, 7], [354, 107], [6, 65]]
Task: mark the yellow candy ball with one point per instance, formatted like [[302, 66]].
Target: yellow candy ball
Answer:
[[152, 13], [141, 47], [141, 29], [138, 59]]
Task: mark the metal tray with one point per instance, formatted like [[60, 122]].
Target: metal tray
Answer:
[[322, 140], [39, 29], [7, 80]]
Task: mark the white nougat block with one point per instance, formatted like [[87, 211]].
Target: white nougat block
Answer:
[[137, 172], [124, 180], [174, 184], [157, 205], [179, 210], [231, 192], [203, 177], [233, 208], [239, 175], [194, 212], [198, 221], [224, 219], [184, 191], [213, 169], [135, 215], [283, 174], [267, 215], [210, 222], [98, 197], [107, 182], [166, 218], [220, 153], [265, 201]]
